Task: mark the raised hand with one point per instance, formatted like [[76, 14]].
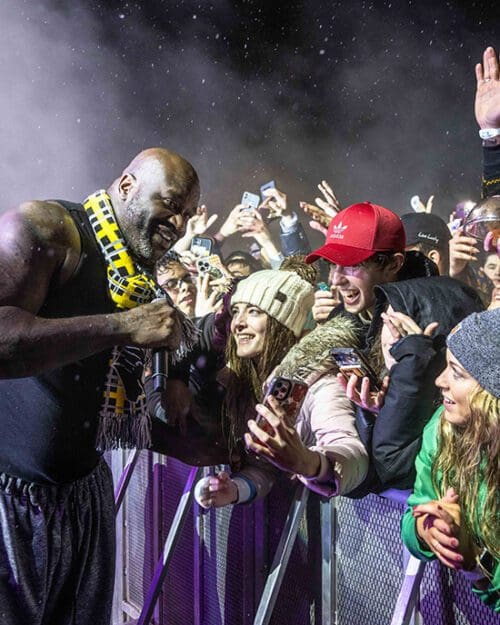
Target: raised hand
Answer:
[[199, 223], [324, 303], [487, 103], [363, 396], [463, 249], [206, 297], [400, 325], [230, 226], [276, 202], [319, 219], [330, 204]]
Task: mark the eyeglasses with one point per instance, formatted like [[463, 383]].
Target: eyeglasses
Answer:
[[174, 284]]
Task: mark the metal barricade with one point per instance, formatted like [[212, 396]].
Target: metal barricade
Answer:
[[346, 594]]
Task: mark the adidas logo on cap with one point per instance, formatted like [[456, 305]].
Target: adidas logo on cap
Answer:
[[338, 231]]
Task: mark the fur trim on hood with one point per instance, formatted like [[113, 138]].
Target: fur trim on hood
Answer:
[[310, 358]]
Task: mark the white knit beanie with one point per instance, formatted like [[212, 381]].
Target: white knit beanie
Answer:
[[283, 295]]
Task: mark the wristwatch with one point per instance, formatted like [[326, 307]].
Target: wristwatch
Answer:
[[489, 133], [490, 136]]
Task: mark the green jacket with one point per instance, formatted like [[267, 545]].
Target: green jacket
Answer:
[[424, 491]]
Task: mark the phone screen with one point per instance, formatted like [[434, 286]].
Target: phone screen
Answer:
[[201, 246], [350, 361]]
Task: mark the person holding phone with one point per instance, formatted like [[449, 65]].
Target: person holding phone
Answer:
[[268, 314]]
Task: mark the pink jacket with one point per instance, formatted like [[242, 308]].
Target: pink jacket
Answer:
[[325, 424]]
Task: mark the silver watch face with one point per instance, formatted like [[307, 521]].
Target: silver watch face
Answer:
[[489, 133]]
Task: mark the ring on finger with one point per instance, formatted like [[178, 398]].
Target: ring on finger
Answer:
[[486, 79]]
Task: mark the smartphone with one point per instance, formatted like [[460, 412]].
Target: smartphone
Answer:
[[268, 185], [290, 395], [350, 360], [201, 246], [250, 201], [212, 265]]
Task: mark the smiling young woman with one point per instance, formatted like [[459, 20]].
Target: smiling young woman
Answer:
[[453, 513], [269, 310]]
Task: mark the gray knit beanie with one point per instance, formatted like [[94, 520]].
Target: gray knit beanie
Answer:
[[283, 295], [475, 343]]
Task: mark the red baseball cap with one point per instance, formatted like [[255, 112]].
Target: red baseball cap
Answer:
[[357, 232]]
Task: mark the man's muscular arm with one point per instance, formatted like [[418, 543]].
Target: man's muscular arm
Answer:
[[40, 249]]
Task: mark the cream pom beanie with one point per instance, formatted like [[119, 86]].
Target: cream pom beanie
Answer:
[[283, 295]]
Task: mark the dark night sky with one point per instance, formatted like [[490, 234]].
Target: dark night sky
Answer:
[[376, 97]]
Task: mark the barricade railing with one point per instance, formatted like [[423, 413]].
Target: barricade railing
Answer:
[[406, 609]]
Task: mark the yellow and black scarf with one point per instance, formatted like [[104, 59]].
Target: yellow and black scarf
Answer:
[[124, 421]]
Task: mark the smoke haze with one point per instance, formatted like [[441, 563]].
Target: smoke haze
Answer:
[[376, 97]]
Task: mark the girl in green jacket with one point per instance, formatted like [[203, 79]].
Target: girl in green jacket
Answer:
[[453, 513]]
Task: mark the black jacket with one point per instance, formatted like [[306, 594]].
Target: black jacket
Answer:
[[396, 431]]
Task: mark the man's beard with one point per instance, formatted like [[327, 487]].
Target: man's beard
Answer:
[[137, 232]]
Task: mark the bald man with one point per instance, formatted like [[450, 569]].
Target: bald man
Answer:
[[75, 308]]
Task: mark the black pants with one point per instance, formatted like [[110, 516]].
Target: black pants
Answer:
[[57, 551]]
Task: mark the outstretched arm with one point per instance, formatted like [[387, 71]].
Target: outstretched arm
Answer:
[[39, 251], [487, 111]]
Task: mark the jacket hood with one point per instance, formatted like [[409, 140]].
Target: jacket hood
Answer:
[[309, 359], [425, 300]]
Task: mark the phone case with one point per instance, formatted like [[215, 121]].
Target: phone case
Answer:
[[290, 394], [250, 201], [213, 265], [268, 185]]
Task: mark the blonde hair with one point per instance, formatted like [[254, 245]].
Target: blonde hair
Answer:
[[468, 458]]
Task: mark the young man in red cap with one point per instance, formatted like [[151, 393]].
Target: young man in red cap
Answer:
[[365, 246]]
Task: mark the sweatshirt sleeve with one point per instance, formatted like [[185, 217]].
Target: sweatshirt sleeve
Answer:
[[259, 477], [407, 408], [491, 171], [423, 490], [326, 425]]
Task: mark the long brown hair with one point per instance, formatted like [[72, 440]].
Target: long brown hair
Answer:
[[468, 460], [246, 376]]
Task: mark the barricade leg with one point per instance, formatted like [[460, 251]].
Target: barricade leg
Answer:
[[406, 610], [328, 512], [168, 548], [124, 480], [282, 556]]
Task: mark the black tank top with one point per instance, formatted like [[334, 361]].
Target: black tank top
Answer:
[[49, 422]]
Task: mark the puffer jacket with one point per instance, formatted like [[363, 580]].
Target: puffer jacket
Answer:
[[412, 395]]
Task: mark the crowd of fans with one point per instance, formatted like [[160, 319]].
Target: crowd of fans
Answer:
[[418, 299], [366, 364]]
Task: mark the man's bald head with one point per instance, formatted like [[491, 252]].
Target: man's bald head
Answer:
[[154, 197], [154, 163]]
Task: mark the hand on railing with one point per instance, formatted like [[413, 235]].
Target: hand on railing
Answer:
[[215, 491], [440, 526]]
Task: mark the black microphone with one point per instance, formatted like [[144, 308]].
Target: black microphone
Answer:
[[160, 361], [160, 369]]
